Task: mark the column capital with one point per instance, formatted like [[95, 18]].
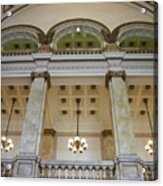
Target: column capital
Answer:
[[114, 73], [43, 74]]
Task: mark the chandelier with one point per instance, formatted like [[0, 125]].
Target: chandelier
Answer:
[[149, 147], [6, 143], [77, 144]]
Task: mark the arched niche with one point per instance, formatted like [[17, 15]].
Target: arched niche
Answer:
[[138, 35], [77, 33], [21, 38]]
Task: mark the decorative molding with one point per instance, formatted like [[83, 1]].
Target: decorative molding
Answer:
[[111, 74]]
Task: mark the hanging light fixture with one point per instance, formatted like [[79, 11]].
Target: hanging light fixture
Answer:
[[77, 144], [149, 147], [7, 143]]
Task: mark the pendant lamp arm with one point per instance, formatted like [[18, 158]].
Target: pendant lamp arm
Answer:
[[148, 114], [78, 113], [10, 114]]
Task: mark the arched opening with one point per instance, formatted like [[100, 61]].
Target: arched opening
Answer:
[[19, 44], [137, 42], [77, 34], [78, 40], [21, 38]]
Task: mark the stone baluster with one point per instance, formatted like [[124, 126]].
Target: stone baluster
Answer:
[[104, 173], [66, 172], [3, 170], [76, 171], [56, 171], [90, 172], [110, 173], [49, 171], [83, 169], [100, 173], [73, 172], [42, 171], [63, 171], [97, 172], [87, 172]]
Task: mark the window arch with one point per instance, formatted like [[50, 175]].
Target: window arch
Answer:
[[138, 42], [78, 40], [64, 35], [20, 38]]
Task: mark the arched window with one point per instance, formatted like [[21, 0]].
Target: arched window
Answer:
[[77, 34], [19, 44], [137, 42], [78, 40], [20, 38]]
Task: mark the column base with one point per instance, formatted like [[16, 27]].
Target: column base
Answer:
[[129, 167], [26, 166]]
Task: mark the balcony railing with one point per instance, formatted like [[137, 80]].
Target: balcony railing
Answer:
[[74, 52], [101, 170], [78, 170]]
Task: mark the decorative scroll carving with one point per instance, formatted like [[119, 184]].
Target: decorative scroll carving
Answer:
[[111, 74], [44, 74]]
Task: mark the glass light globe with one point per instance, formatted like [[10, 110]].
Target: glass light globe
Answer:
[[150, 151], [11, 146], [83, 141], [77, 139], [3, 138], [85, 146], [7, 149], [71, 141], [150, 143], [70, 147], [81, 150], [74, 149], [9, 166], [9, 141], [147, 147], [78, 29]]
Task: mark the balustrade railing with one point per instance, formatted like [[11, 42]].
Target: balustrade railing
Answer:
[[77, 51], [102, 170], [77, 170]]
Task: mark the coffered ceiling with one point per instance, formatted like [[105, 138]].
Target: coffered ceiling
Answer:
[[61, 107]]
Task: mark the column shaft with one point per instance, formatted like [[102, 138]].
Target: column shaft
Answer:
[[128, 166], [122, 120], [32, 126]]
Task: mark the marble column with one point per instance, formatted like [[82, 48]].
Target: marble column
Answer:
[[27, 161], [128, 163], [48, 144]]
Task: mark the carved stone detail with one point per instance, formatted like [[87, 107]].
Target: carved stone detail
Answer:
[[44, 74], [110, 74], [129, 167], [26, 166], [112, 47]]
